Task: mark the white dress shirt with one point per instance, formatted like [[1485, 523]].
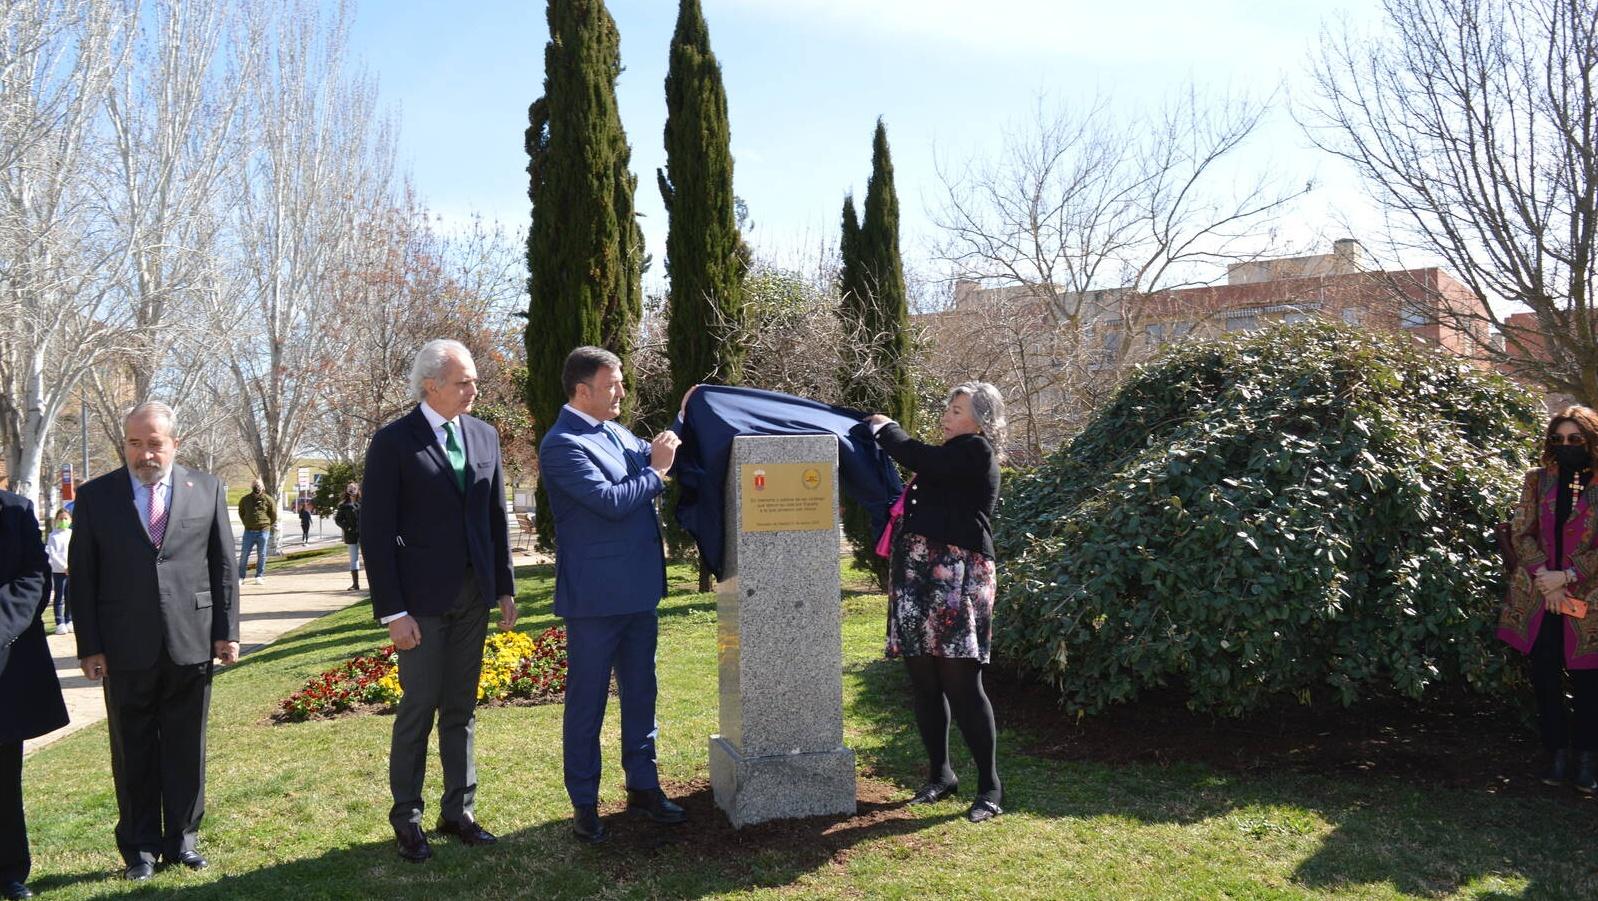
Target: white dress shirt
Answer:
[[437, 421]]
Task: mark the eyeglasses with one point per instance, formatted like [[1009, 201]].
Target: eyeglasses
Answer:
[[1577, 438]]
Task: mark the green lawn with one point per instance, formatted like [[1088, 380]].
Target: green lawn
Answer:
[[300, 811]]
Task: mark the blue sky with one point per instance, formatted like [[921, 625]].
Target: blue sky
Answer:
[[806, 80]]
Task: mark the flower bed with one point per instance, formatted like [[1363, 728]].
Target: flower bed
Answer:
[[517, 667]]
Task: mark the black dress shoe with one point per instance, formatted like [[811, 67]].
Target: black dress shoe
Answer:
[[412, 843], [933, 792], [586, 824], [653, 803], [138, 872], [1558, 772], [468, 830], [983, 809], [192, 860], [16, 889]]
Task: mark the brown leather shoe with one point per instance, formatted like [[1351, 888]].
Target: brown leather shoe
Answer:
[[412, 843], [468, 830]]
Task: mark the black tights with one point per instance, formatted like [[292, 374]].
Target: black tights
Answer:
[[1554, 715], [939, 686]]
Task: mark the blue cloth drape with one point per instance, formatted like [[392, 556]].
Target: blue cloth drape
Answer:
[[716, 414]]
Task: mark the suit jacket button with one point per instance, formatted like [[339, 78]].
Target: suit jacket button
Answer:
[[912, 500]]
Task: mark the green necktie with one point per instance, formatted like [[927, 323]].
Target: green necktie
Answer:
[[456, 455]]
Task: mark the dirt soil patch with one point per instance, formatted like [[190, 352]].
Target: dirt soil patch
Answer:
[[1453, 741], [708, 836]]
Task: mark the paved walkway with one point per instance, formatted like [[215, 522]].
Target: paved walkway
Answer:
[[290, 597]]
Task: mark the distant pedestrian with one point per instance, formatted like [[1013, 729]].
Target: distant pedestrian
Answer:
[[305, 522], [258, 513], [348, 518], [56, 550]]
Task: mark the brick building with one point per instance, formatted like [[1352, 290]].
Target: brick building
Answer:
[[1028, 338]]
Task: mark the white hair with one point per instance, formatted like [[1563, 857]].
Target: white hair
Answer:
[[430, 362], [987, 408], [153, 408]]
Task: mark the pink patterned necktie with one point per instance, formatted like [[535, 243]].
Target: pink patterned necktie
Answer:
[[157, 516]]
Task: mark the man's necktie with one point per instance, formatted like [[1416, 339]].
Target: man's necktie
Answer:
[[456, 455], [157, 516], [610, 432]]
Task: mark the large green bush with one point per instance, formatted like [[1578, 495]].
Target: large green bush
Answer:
[[1303, 512]]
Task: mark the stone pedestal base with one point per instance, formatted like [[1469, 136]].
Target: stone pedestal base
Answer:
[[756, 789]]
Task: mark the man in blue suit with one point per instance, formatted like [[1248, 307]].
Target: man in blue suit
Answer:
[[438, 558], [610, 574], [32, 705]]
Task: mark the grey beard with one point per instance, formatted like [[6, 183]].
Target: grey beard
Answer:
[[140, 474]]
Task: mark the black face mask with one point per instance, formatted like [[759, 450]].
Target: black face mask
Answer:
[[1572, 456]]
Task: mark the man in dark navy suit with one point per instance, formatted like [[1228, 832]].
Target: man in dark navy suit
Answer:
[[32, 703], [437, 553], [610, 574]]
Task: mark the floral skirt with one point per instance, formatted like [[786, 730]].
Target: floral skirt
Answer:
[[940, 600]]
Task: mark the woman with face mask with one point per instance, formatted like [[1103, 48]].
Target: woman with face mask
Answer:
[[1545, 613]]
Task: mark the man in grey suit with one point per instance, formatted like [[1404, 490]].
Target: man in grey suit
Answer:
[[438, 559], [154, 597]]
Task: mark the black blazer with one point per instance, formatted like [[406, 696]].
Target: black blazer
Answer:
[[30, 695], [130, 600], [955, 490], [418, 532]]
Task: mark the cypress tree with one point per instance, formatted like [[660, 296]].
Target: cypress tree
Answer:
[[882, 269], [852, 290], [875, 307], [703, 259], [584, 250]]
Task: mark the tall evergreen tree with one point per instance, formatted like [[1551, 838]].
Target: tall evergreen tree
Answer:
[[876, 311], [853, 293], [584, 250], [882, 269], [703, 259]]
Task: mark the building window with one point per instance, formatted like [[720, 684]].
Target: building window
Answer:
[[1242, 321], [1180, 330], [1411, 314], [1295, 318], [1353, 316], [1154, 333]]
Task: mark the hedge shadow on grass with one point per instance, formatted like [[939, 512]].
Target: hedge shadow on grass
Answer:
[[1419, 840]]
